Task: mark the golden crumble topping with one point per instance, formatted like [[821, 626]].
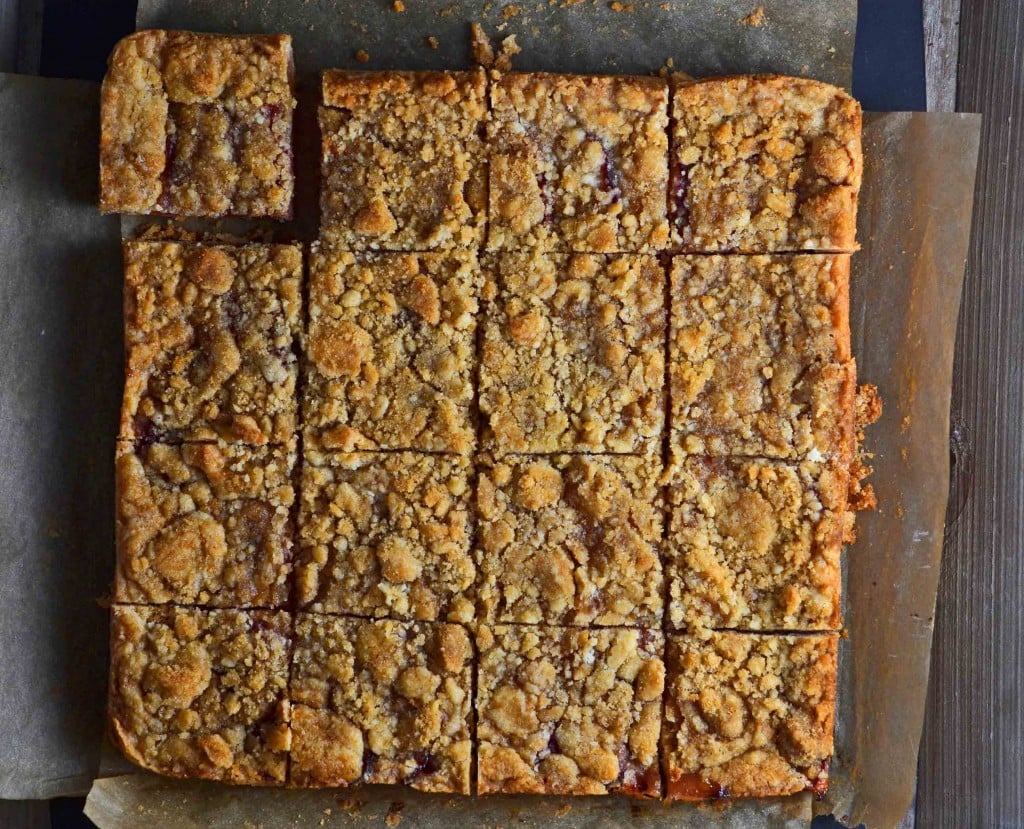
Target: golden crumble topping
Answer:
[[203, 523], [381, 702]]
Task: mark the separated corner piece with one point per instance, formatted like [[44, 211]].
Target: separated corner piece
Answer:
[[578, 163], [404, 160], [568, 710], [198, 125], [203, 523], [764, 164], [573, 354], [386, 534], [759, 357], [570, 539], [381, 701], [211, 334], [748, 715], [391, 350], [755, 544], [202, 693]]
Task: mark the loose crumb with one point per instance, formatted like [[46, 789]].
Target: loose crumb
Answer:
[[399, 6], [616, 6], [509, 49], [480, 46], [755, 19], [432, 42], [394, 815], [362, 56], [510, 11]]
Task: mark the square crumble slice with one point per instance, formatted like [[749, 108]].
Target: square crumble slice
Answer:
[[573, 353], [204, 523], [570, 539], [210, 335], [748, 715], [569, 711], [198, 125], [759, 356], [202, 693], [763, 164], [381, 701], [755, 544], [578, 163], [404, 160], [386, 534], [391, 350]]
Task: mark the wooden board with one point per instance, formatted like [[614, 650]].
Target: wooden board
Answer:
[[971, 772]]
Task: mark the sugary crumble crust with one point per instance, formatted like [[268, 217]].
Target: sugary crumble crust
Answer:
[[404, 161], [759, 356], [578, 163], [381, 701], [198, 125], [386, 534], [209, 335], [755, 544], [748, 715], [391, 350], [763, 164], [569, 711], [202, 693], [204, 523], [570, 539], [573, 353]]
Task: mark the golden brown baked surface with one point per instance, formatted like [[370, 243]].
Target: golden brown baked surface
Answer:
[[754, 544], [210, 333], [759, 356], [573, 353], [404, 161], [764, 163], [570, 539], [381, 702], [748, 715], [569, 711], [198, 125], [386, 534], [204, 523], [578, 163], [391, 350], [202, 693]]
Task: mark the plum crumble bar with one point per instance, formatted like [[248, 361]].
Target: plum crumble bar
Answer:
[[404, 161], [210, 333], [755, 544], [386, 534], [764, 164], [578, 163], [570, 539], [204, 523], [381, 701], [748, 715], [569, 711], [202, 693], [391, 350], [759, 356], [573, 353], [198, 125]]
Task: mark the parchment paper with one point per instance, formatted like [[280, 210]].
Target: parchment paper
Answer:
[[59, 397], [60, 378]]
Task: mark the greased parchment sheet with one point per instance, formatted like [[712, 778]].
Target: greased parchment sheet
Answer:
[[58, 402]]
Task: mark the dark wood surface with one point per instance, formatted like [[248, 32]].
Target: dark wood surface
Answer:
[[972, 752], [971, 772]]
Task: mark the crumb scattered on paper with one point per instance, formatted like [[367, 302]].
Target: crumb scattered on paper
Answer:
[[510, 11], [362, 56], [563, 810], [618, 6], [398, 6], [755, 18], [509, 49], [480, 47], [394, 815], [433, 42]]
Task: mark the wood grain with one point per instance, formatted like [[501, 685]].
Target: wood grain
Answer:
[[972, 760], [941, 49]]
